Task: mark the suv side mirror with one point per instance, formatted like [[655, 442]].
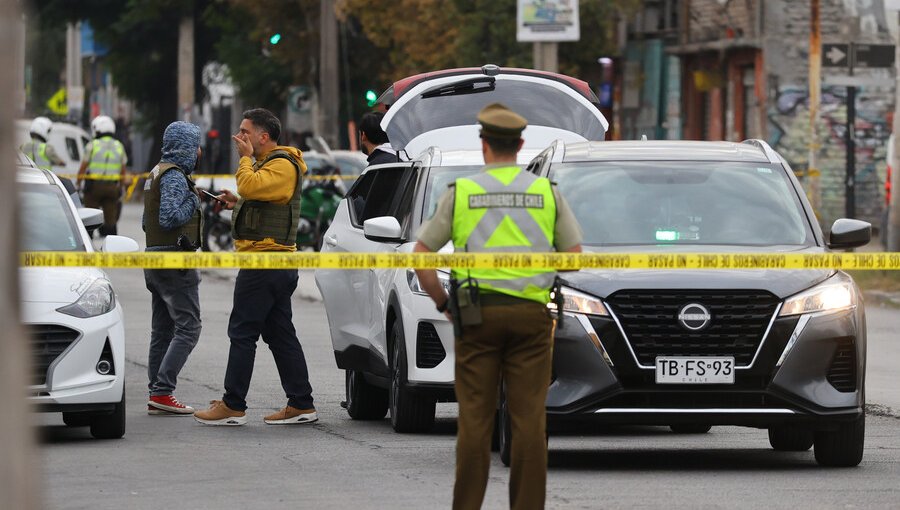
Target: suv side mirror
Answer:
[[383, 229], [847, 233], [119, 244], [91, 218]]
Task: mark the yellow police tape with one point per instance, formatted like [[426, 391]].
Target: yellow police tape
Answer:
[[563, 261]]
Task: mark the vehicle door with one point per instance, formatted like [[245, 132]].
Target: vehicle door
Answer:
[[348, 294]]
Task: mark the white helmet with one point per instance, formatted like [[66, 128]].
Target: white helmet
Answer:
[[41, 126], [103, 124]]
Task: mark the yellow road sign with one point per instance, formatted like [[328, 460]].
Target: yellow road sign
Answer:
[[58, 103]]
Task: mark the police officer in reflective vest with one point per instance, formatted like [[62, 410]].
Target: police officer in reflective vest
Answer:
[[103, 167], [41, 152], [504, 328], [172, 222], [265, 219]]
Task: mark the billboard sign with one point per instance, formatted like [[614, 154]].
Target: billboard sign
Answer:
[[547, 21]]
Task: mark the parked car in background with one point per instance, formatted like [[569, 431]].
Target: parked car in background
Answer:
[[71, 314], [351, 163], [783, 350], [68, 140]]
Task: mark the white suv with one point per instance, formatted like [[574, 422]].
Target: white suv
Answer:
[[71, 313]]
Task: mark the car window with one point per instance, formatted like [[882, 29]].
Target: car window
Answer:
[[47, 222], [377, 193], [350, 166], [72, 149], [695, 202], [439, 179]]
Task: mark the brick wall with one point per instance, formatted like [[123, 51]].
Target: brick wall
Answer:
[[711, 19]]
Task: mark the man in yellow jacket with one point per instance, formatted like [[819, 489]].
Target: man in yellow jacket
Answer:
[[265, 219]]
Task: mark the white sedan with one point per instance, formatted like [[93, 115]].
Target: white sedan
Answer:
[[71, 314]]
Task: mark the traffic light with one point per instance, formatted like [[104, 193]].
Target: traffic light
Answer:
[[276, 37], [371, 98]]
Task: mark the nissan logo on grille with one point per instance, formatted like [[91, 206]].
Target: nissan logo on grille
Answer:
[[694, 317]]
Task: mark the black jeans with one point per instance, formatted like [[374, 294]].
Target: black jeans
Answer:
[[262, 306], [174, 325]]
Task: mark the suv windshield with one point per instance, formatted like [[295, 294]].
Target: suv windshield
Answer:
[[438, 180], [683, 203], [541, 104], [46, 221]]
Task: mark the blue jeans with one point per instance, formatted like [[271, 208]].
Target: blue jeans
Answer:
[[174, 325], [262, 307]]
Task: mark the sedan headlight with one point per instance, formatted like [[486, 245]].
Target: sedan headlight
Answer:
[[833, 295], [579, 302], [414, 285], [98, 299]]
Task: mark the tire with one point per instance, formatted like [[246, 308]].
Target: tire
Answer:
[[690, 428], [842, 447], [364, 401], [76, 419], [409, 412], [504, 428], [110, 425], [790, 439]]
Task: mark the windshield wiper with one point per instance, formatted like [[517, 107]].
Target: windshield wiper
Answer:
[[468, 86]]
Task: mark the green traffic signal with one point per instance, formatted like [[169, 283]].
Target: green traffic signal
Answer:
[[371, 98], [275, 38]]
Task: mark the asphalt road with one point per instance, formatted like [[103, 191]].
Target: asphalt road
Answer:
[[170, 462]]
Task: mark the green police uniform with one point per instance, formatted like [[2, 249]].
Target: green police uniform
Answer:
[[503, 209]]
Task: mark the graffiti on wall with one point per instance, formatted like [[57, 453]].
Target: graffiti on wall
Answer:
[[789, 134]]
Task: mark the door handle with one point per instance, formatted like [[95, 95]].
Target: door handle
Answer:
[[331, 240]]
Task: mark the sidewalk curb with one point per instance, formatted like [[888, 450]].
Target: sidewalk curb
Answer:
[[883, 298], [882, 410]]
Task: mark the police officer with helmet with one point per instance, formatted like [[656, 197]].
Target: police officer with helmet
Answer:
[[104, 163], [503, 327], [42, 153]]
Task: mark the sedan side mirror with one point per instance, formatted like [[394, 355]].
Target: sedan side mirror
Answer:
[[847, 233], [91, 218], [383, 229], [119, 244]]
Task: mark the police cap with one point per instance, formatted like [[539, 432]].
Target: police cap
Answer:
[[498, 121]]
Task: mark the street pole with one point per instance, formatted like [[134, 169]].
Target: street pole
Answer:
[[850, 184], [74, 80], [18, 470], [186, 67], [329, 83], [893, 223], [546, 56], [813, 188]]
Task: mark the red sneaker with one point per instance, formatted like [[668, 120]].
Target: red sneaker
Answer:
[[170, 404]]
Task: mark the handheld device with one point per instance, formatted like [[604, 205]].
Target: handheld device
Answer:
[[214, 197]]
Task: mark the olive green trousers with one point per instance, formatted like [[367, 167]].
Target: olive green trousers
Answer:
[[513, 342]]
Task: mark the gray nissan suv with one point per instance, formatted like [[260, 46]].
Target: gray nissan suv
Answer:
[[782, 350]]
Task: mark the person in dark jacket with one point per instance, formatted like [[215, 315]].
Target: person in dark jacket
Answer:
[[172, 223], [374, 141]]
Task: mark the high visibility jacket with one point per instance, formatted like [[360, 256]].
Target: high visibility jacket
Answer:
[[255, 220], [37, 151], [506, 210], [156, 235], [106, 157]]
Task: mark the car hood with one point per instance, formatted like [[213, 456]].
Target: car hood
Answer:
[[780, 282], [55, 284]]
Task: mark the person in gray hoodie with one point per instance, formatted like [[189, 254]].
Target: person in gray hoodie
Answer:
[[172, 222]]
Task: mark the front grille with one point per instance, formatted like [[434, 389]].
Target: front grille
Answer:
[[48, 341], [842, 373], [429, 350], [739, 319]]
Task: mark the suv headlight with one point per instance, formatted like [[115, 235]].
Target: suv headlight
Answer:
[[833, 295], [579, 302], [98, 299], [414, 286]]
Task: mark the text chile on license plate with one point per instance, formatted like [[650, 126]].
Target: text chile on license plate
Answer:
[[689, 370]]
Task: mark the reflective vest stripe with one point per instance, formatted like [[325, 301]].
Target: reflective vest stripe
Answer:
[[107, 157], [38, 153]]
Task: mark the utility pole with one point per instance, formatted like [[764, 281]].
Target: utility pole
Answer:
[[813, 188], [850, 174], [329, 82], [74, 80], [18, 471], [186, 67], [893, 223], [546, 56]]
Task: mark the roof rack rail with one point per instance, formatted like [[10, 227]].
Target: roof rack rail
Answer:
[[767, 149]]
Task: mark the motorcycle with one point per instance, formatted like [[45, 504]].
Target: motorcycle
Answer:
[[216, 235], [321, 195]]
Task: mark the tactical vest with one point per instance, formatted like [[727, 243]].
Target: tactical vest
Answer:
[[506, 210], [156, 235], [255, 220], [37, 151], [107, 155]]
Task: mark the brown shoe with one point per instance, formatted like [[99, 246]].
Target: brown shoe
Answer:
[[291, 416], [220, 414]]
